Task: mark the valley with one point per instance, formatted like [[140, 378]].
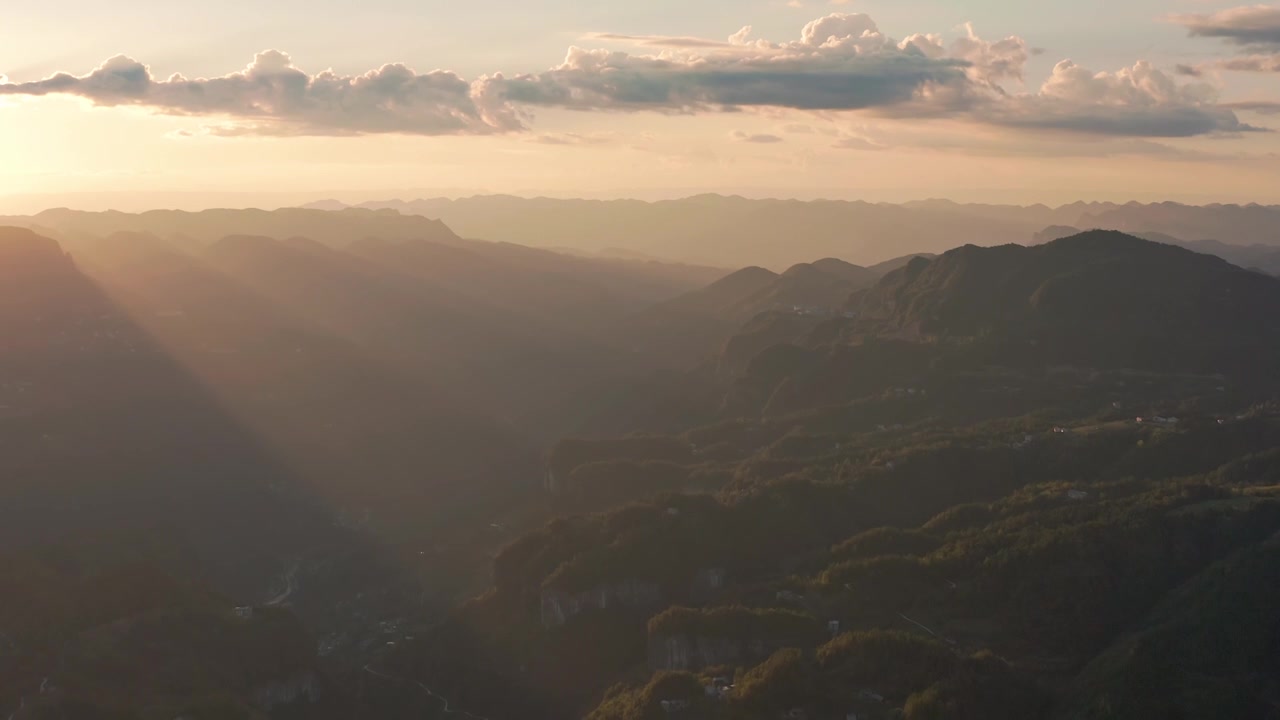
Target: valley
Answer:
[[410, 475]]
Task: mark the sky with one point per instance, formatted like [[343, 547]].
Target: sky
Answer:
[[149, 103]]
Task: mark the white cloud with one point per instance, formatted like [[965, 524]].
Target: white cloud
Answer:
[[1141, 101], [843, 62], [271, 96], [840, 63]]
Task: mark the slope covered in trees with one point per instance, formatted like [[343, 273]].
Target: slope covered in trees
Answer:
[[1000, 482], [997, 491]]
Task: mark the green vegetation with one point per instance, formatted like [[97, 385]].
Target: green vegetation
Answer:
[[934, 501], [956, 482]]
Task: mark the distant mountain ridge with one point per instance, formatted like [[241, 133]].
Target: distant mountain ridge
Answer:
[[698, 322], [776, 234], [201, 228], [1265, 258], [1100, 298]]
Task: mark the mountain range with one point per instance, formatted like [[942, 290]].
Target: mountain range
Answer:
[[1002, 480], [314, 464], [776, 234]]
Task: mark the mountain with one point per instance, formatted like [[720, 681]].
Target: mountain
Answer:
[[368, 475], [137, 510], [726, 295], [1010, 486], [1264, 258], [335, 428], [1199, 651], [717, 230], [695, 325], [1095, 299], [1243, 224], [106, 417], [131, 642], [821, 285], [776, 234], [201, 228]]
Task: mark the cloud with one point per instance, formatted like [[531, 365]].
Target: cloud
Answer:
[[1256, 29], [840, 63], [1262, 107], [673, 41], [854, 142], [1141, 101], [571, 138], [1249, 26], [272, 97], [758, 138], [843, 62], [1253, 63]]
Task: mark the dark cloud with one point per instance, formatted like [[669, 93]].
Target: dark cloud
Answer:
[[594, 80], [1255, 29], [1255, 25], [273, 97]]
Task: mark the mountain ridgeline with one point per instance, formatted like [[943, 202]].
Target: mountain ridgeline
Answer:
[[994, 483], [1100, 299], [315, 464], [780, 233]]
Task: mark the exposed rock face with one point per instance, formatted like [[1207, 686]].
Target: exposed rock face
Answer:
[[691, 653], [708, 583], [552, 483], [301, 687], [559, 607]]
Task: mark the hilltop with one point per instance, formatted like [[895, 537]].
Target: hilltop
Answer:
[[1095, 299], [1001, 488]]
